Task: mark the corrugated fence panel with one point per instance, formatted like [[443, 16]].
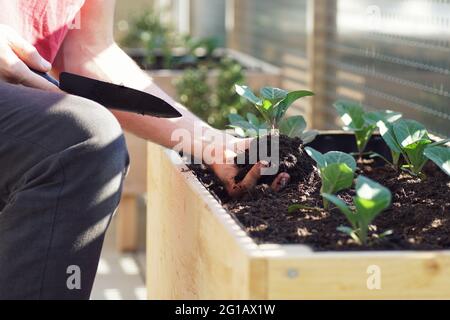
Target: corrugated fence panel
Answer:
[[384, 54], [274, 31]]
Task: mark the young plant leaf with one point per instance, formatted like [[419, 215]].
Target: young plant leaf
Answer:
[[286, 103], [340, 157], [337, 170], [293, 126], [413, 139], [234, 118], [342, 206], [309, 136], [409, 132], [331, 157], [248, 94], [253, 120], [317, 157], [440, 156], [336, 177], [273, 94], [244, 128], [352, 115], [384, 120], [440, 143], [370, 200]]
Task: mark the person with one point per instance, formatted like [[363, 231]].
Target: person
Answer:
[[63, 158]]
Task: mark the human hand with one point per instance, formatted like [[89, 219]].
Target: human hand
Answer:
[[17, 57], [226, 170]]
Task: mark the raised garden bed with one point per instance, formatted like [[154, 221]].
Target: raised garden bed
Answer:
[[205, 246]]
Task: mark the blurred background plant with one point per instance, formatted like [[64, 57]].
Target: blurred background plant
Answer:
[[213, 102], [163, 47]]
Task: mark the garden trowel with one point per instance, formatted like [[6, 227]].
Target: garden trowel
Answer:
[[113, 96]]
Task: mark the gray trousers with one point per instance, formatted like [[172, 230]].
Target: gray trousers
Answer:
[[62, 163]]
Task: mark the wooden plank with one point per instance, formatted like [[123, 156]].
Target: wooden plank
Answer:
[[345, 276], [191, 252], [321, 19], [136, 180], [127, 224]]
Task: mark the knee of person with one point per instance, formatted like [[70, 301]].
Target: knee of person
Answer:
[[93, 128]]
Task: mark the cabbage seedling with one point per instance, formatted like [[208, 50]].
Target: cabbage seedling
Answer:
[[384, 121], [273, 105], [413, 139], [371, 199], [352, 115], [337, 170]]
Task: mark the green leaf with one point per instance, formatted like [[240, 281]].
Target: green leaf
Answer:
[[340, 157], [363, 137], [341, 205], [384, 120], [273, 94], [387, 133], [388, 116], [293, 126], [235, 118], [352, 115], [285, 104], [371, 199], [332, 157], [267, 105], [409, 132], [415, 154], [253, 119], [440, 143], [336, 177], [248, 94], [440, 156], [309, 136], [317, 157]]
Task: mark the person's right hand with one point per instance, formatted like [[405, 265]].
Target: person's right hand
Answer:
[[17, 57]]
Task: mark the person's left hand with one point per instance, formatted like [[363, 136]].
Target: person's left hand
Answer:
[[226, 171]]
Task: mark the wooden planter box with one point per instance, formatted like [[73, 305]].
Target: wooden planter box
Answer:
[[258, 74], [196, 250]]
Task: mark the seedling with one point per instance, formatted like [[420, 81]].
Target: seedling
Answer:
[[352, 115], [384, 121], [337, 170], [413, 139], [273, 105], [371, 199]]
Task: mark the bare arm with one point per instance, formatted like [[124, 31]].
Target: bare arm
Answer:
[[91, 51]]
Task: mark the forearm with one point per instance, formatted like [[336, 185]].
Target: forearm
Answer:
[[113, 65]]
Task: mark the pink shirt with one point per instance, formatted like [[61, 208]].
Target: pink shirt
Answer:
[[45, 23]]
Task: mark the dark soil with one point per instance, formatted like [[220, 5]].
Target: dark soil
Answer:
[[419, 216], [293, 159]]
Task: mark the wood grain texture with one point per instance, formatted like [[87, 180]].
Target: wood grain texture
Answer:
[[197, 251], [127, 225], [192, 254]]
